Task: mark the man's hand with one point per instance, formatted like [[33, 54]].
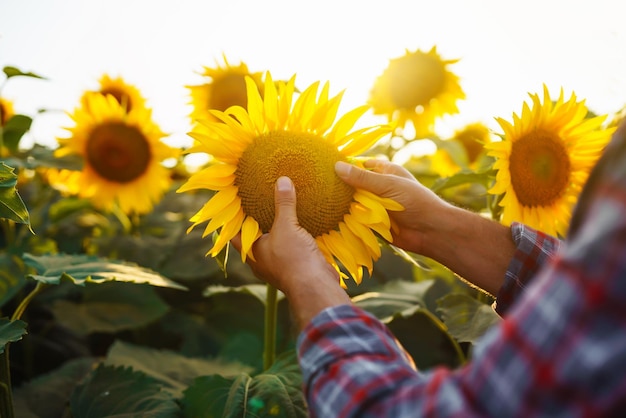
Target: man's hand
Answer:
[[289, 259]]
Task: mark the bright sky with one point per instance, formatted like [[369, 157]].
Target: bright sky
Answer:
[[506, 49]]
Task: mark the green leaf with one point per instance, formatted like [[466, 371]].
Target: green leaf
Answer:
[[460, 178], [121, 392], [14, 130], [84, 268], [175, 371], [258, 291], [47, 395], [11, 331], [14, 72], [425, 338], [11, 277], [40, 156], [277, 393], [466, 317], [110, 307], [11, 205]]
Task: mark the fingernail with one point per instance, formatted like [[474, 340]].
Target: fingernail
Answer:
[[283, 184], [342, 169]]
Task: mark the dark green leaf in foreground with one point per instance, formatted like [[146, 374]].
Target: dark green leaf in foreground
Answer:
[[426, 338], [11, 277], [277, 393], [14, 130], [110, 307], [46, 396], [121, 392], [467, 318], [14, 72], [84, 268], [175, 371], [11, 205], [11, 331]]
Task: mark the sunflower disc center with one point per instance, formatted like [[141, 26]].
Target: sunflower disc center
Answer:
[[228, 90], [540, 168], [118, 152], [322, 197], [416, 80]]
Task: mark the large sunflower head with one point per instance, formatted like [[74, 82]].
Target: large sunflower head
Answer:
[[544, 159], [281, 135], [6, 111], [127, 95], [122, 154], [463, 151], [224, 88], [417, 87]]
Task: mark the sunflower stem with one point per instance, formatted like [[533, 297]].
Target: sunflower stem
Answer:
[[271, 308]]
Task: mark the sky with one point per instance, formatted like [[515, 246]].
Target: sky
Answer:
[[506, 50]]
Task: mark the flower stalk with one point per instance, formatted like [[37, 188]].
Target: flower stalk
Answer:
[[271, 309]]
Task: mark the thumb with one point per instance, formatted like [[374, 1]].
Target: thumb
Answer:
[[285, 201]]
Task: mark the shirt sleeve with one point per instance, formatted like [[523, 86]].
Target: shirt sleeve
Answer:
[[534, 249], [559, 352]]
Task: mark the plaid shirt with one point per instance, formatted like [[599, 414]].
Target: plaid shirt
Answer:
[[560, 350]]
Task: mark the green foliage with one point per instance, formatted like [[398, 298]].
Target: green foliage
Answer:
[[276, 392], [466, 318], [14, 130], [10, 330], [120, 391], [11, 205], [51, 269]]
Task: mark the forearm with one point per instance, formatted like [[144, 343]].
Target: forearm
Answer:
[[476, 248], [313, 292]]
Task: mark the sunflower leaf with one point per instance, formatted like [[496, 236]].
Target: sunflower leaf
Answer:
[[11, 204], [466, 317], [118, 391], [277, 392], [462, 177], [11, 331], [14, 72], [84, 268], [14, 130]]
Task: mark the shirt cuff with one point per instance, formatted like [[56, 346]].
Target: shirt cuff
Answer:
[[534, 249]]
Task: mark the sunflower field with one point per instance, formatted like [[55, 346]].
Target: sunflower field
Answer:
[[121, 295]]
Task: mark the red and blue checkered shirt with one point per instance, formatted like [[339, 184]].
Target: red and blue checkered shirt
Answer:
[[560, 350]]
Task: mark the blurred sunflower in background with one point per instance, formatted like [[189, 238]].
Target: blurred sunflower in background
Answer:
[[544, 159], [463, 151], [6, 111], [122, 154], [225, 87], [281, 135], [127, 95], [417, 87]]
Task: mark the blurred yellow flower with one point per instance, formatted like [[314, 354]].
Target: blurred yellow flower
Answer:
[[127, 95], [280, 135], [226, 87], [122, 154], [6, 111], [417, 87], [544, 159], [462, 151]]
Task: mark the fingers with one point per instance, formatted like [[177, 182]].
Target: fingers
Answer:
[[377, 182], [285, 201], [387, 167]]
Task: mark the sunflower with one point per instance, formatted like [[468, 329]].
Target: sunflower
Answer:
[[6, 111], [281, 135], [226, 87], [544, 159], [127, 95], [416, 87], [463, 151], [122, 153]]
